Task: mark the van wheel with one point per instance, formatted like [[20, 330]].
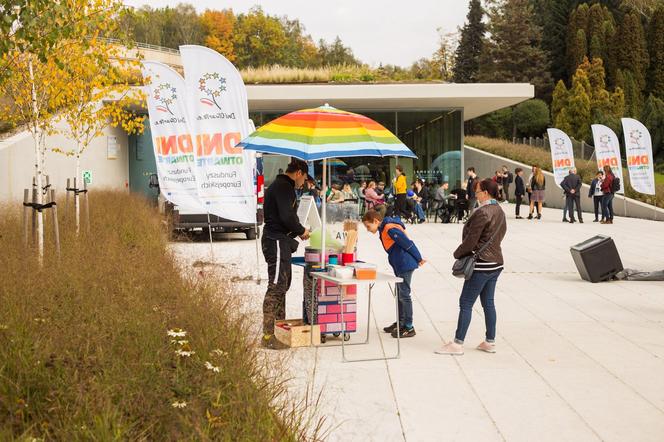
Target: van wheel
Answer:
[[252, 233]]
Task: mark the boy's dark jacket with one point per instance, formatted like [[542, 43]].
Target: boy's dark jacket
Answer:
[[520, 188], [402, 254]]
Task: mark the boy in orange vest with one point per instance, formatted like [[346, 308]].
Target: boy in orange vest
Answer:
[[404, 259]]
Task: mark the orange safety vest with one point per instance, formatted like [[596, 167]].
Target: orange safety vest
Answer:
[[385, 237]]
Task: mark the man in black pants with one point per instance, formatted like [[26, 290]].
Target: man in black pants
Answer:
[[281, 227], [520, 191], [572, 186], [470, 189]]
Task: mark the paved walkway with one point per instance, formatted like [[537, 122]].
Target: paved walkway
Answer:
[[575, 361]]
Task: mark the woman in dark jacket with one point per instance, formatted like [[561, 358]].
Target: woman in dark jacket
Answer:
[[487, 222]]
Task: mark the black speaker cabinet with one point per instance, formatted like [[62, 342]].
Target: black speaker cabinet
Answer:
[[597, 258]]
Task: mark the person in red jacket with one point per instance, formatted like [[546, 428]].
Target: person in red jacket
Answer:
[[607, 198]]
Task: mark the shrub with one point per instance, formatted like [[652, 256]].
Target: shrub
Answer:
[[84, 350], [535, 156], [531, 117]]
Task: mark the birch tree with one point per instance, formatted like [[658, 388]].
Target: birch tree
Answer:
[[32, 74], [99, 94]]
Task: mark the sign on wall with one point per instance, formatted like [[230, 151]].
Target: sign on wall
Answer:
[[112, 147]]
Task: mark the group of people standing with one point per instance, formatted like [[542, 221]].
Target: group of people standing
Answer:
[[534, 187], [602, 190]]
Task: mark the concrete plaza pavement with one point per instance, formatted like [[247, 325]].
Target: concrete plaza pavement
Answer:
[[575, 361]]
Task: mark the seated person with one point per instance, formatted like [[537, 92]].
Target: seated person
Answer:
[[348, 193], [460, 196], [373, 199], [334, 194], [311, 189], [415, 206], [441, 192]]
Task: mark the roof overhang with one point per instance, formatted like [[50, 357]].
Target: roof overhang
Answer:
[[475, 99]]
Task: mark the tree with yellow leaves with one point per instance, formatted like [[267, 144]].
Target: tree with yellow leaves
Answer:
[[218, 27], [37, 34], [98, 95]]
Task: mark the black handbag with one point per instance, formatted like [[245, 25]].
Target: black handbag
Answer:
[[465, 267]]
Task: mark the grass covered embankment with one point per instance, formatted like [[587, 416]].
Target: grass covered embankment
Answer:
[[113, 343], [536, 156]]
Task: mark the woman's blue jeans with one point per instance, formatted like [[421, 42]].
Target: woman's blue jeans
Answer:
[[419, 211], [607, 206], [482, 284]]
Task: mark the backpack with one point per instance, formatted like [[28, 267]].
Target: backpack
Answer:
[[615, 185]]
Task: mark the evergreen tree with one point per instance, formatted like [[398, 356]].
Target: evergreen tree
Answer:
[[631, 54], [633, 97], [598, 28], [559, 101], [513, 52], [653, 117], [656, 47], [554, 15], [470, 45], [578, 108], [577, 38], [531, 117], [577, 49]]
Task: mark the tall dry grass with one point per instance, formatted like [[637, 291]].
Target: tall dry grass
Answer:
[[535, 156], [327, 74], [85, 352]]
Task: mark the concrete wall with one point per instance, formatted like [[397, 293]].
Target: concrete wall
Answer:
[[486, 164], [17, 164]]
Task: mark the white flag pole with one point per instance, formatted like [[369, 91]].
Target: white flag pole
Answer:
[[324, 215], [210, 232]]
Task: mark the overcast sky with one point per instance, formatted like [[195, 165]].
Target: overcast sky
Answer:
[[388, 31]]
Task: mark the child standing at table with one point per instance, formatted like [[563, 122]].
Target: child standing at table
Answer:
[[404, 257]]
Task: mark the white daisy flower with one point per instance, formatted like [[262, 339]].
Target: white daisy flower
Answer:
[[177, 333], [179, 342], [218, 353], [211, 367], [184, 354], [179, 404]]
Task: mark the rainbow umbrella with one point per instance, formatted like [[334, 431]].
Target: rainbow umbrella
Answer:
[[336, 162], [323, 133]]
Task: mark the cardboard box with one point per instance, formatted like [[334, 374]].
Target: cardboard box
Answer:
[[295, 333]]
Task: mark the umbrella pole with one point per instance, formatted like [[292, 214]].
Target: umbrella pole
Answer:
[[323, 215]]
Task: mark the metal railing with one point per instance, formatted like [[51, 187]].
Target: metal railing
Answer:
[[582, 149], [143, 46]]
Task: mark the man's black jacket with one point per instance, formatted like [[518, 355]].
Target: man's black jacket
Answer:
[[571, 181], [280, 209]]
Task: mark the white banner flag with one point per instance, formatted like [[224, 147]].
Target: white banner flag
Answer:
[[638, 150], [607, 151], [219, 114], [171, 136], [562, 154]]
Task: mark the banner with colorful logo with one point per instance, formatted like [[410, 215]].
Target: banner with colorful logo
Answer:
[[638, 152], [171, 136], [607, 151], [562, 154], [219, 118]]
